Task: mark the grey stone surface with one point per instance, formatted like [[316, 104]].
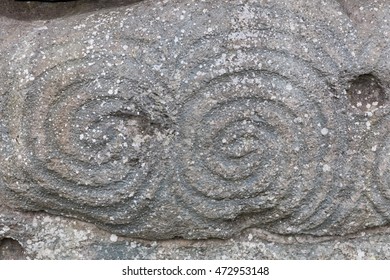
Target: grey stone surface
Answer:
[[196, 129]]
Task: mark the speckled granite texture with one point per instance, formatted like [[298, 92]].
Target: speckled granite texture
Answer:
[[195, 129]]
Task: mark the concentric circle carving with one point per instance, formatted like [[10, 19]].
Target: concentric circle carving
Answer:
[[252, 148]]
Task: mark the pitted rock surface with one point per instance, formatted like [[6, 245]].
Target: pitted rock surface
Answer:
[[195, 120]]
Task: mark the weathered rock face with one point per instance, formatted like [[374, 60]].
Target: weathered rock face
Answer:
[[196, 119]]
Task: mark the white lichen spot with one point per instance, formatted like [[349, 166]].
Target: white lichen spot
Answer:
[[326, 168], [361, 254], [5, 229], [34, 222], [78, 27], [113, 238], [47, 220], [137, 141], [374, 148], [324, 131], [298, 120]]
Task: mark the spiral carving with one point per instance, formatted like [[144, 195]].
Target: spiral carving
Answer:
[[255, 142], [86, 135], [224, 117]]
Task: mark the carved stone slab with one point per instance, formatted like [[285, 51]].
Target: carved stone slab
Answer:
[[199, 119]]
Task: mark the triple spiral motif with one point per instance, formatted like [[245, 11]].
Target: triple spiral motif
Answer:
[[243, 132]]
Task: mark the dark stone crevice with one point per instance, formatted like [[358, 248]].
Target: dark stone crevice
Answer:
[[365, 92], [51, 9], [10, 249]]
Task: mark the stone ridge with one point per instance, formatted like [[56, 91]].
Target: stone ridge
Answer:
[[199, 119]]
